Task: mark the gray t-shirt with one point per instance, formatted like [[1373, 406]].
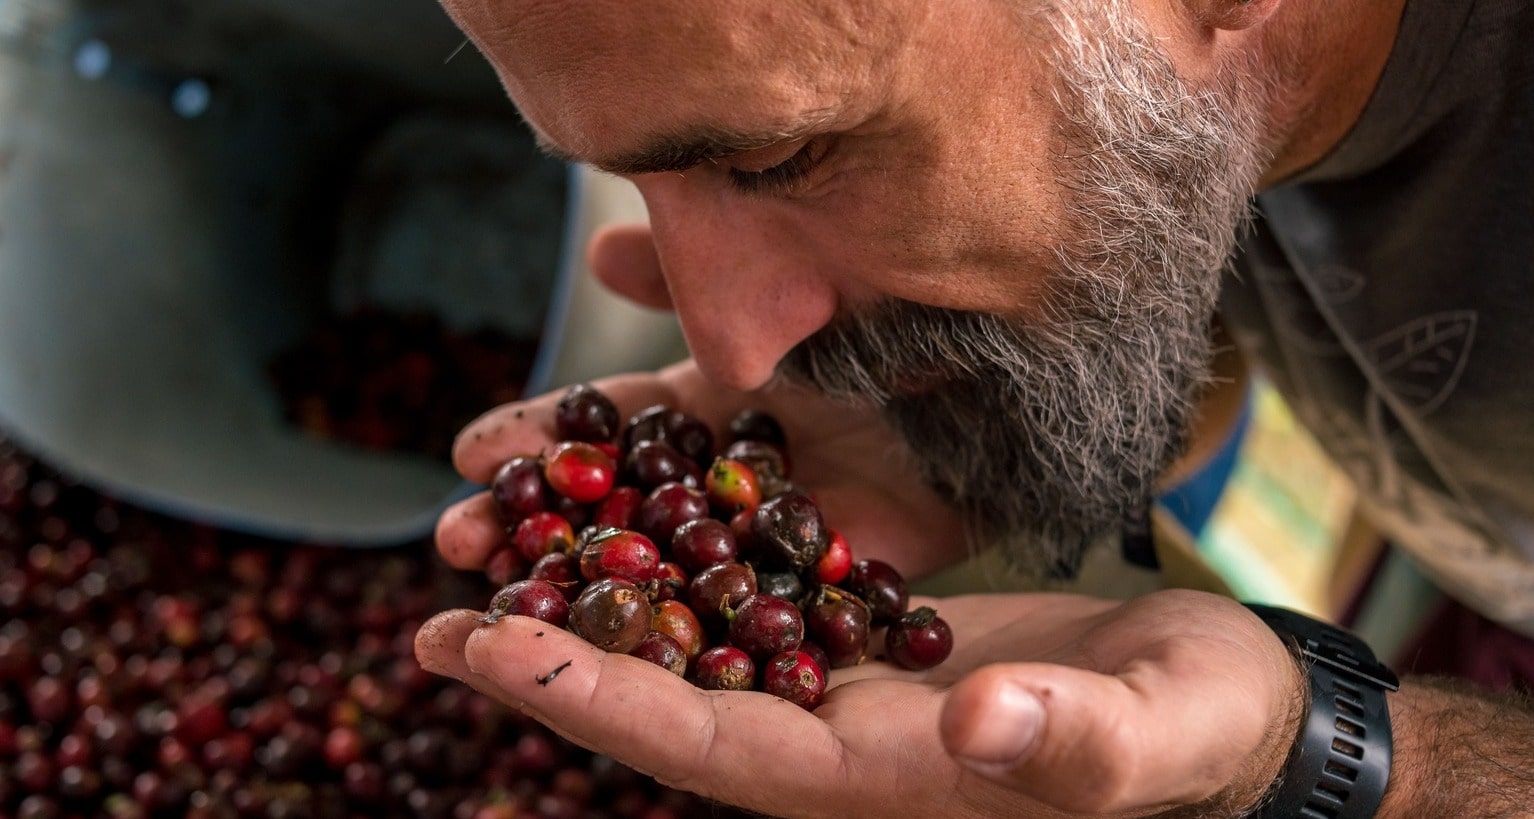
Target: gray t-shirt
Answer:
[[1389, 294]]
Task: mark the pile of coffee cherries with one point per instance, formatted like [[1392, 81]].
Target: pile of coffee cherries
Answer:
[[153, 667], [643, 539]]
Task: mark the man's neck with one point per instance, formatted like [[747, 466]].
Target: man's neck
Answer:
[[1329, 57]]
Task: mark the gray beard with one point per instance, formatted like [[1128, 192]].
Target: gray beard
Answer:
[[1047, 433]]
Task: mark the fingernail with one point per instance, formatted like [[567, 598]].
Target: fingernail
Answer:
[[1005, 728]]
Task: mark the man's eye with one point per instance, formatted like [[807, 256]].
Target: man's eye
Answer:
[[782, 177]]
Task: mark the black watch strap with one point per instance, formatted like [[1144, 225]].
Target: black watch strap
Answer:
[[1341, 761]]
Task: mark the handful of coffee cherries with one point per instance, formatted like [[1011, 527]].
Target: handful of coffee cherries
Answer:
[[642, 538]]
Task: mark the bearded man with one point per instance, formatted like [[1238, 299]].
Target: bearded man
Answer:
[[970, 253]]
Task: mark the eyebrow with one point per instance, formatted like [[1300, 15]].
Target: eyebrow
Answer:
[[682, 150]]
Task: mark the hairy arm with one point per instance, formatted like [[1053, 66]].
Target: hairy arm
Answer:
[[1459, 752]]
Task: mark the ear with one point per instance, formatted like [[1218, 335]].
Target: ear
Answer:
[[1232, 15]]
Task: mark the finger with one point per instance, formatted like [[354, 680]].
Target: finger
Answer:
[[623, 258], [468, 531], [709, 742], [972, 619], [1174, 730], [439, 646]]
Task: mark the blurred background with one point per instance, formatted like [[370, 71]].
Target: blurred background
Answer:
[[259, 261]]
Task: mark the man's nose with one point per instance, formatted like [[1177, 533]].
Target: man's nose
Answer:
[[745, 291]]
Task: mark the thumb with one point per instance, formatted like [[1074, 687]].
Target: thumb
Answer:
[[1085, 742]]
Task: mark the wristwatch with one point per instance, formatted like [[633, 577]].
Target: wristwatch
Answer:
[[1341, 761]]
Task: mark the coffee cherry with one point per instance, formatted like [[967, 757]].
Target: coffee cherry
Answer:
[[669, 583], [795, 677], [724, 668], [754, 425], [611, 614], [838, 622], [881, 587], [562, 570], [674, 618], [817, 654], [662, 650], [617, 510], [542, 533], [690, 436], [666, 508], [538, 599], [622, 554], [518, 490], [834, 566], [731, 486], [505, 565], [718, 589], [649, 424], [769, 463], [579, 471], [918, 640], [790, 531], [763, 625], [786, 585], [651, 463], [698, 544], [585, 414]]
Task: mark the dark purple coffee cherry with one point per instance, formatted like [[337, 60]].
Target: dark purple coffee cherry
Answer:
[[795, 677], [691, 437], [786, 585], [881, 587], [918, 640], [518, 490], [790, 531], [649, 424], [754, 425], [724, 668], [538, 599], [666, 508], [764, 626], [698, 544], [718, 589], [652, 463], [611, 614], [585, 414], [664, 651], [838, 620], [562, 570]]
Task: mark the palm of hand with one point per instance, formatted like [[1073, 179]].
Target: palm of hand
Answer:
[[1140, 697]]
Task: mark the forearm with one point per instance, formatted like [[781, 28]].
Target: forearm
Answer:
[[1459, 752]]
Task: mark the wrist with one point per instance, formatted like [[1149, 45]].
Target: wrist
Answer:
[[1341, 760]]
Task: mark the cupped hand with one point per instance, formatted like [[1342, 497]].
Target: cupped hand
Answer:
[[862, 476], [1049, 704]]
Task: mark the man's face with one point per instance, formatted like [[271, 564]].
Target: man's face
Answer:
[[1001, 220]]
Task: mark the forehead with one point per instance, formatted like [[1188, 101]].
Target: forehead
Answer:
[[598, 76]]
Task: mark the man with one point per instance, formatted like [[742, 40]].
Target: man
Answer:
[[999, 226]]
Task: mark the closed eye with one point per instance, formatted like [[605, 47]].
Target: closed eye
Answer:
[[785, 176]]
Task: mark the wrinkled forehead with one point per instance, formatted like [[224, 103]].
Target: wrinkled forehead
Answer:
[[595, 76]]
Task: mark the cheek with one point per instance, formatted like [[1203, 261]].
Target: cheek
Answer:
[[948, 234]]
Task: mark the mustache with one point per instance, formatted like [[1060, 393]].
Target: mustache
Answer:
[[894, 349]]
